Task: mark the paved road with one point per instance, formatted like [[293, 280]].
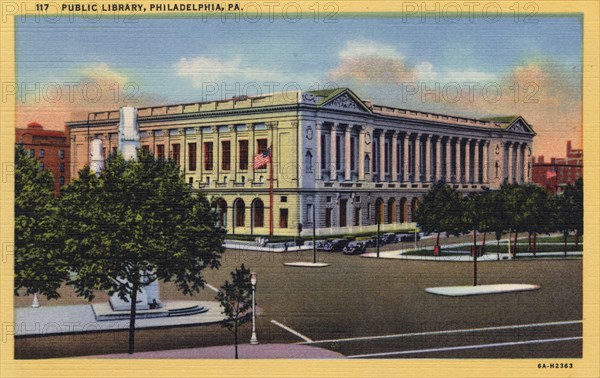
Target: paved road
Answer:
[[371, 299]]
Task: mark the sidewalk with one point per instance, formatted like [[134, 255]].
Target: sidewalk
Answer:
[[402, 254], [245, 351]]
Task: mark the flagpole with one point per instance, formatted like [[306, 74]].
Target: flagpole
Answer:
[[271, 192]]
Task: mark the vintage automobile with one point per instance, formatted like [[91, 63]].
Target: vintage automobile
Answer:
[[336, 245], [355, 248]]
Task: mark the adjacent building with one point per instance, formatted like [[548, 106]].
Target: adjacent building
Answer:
[[50, 148], [346, 162], [556, 174]]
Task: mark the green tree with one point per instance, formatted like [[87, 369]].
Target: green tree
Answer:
[[536, 213], [494, 218], [439, 211], [236, 300], [39, 264], [515, 198], [575, 192], [134, 223]]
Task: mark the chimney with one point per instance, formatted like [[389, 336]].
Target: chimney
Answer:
[[568, 147]]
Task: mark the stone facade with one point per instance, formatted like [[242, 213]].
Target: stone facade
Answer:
[[348, 160]]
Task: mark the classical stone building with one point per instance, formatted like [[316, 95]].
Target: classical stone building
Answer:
[[350, 161]]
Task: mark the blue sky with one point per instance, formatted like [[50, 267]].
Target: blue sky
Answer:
[[170, 60]]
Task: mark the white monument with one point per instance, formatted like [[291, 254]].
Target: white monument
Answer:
[[129, 143]]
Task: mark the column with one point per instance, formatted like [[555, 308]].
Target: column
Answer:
[[448, 159], [332, 153], [382, 156], [438, 159], [484, 168], [406, 142], [418, 158], [361, 153], [476, 148], [318, 127], [509, 165], [394, 172], [457, 161], [468, 161], [348, 157], [428, 158], [518, 163], [526, 164]]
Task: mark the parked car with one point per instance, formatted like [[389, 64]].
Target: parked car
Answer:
[[336, 245], [388, 238], [355, 248], [407, 237]]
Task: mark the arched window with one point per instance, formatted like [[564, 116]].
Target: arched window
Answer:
[[258, 213], [403, 210], [391, 211], [239, 209], [379, 211], [221, 208], [309, 161]]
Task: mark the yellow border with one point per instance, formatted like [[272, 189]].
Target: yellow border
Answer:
[[588, 366]]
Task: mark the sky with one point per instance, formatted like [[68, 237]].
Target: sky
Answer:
[[472, 68]]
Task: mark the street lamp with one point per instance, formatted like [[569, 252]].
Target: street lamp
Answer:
[[253, 339]]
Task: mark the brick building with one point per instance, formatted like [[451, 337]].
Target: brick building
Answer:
[[50, 148], [556, 174]]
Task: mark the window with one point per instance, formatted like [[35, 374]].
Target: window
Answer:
[[357, 216], [283, 198], [31, 152], [61, 180], [62, 167], [240, 213], [160, 151], [328, 217], [309, 213], [258, 213], [42, 166], [261, 146], [328, 199], [191, 182], [192, 156], [176, 152], [208, 156], [61, 154], [114, 150], [146, 148], [283, 218], [387, 154], [42, 153], [226, 151], [243, 152]]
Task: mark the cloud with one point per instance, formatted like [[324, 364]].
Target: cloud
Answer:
[[545, 92], [94, 87]]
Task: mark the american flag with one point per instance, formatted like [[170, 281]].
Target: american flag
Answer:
[[550, 174], [262, 159]]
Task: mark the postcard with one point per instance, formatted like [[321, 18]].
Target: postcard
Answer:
[[272, 188]]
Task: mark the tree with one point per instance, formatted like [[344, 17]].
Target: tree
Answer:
[[536, 213], [135, 223], [236, 299], [575, 194], [493, 219], [473, 215], [515, 197], [39, 264], [439, 211]]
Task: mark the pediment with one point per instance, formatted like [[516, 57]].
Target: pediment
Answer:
[[521, 126], [346, 101]]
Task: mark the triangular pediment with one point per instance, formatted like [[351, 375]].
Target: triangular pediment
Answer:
[[521, 126], [340, 99]]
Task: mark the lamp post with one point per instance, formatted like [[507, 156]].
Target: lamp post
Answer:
[[253, 339], [314, 235]]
